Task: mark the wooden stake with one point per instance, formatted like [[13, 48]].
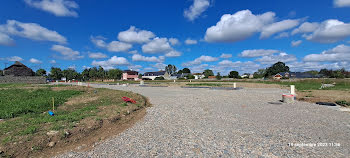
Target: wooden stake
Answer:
[[53, 104]]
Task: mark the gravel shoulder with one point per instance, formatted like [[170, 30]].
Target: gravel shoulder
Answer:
[[212, 123]]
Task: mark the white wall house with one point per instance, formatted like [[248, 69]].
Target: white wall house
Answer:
[[153, 75]]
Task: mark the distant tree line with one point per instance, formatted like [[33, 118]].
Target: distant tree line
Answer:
[[88, 74], [95, 73]]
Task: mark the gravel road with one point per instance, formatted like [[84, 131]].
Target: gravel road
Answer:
[[218, 123]]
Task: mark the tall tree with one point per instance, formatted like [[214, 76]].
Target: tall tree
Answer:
[[170, 69], [218, 76], [101, 72], [70, 74], [186, 70], [208, 73], [233, 74], [85, 75], [56, 73], [276, 68], [115, 74], [40, 72], [93, 73], [260, 73]]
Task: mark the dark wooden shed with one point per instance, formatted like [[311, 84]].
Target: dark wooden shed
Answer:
[[19, 69]]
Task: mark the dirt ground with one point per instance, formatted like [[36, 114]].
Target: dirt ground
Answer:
[[323, 95], [312, 96], [109, 121]]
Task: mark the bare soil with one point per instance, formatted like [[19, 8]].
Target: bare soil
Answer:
[[109, 121], [323, 96]]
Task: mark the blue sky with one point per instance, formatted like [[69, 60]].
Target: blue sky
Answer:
[[222, 35]]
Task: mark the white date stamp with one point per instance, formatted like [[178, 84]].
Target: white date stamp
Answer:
[[314, 144]]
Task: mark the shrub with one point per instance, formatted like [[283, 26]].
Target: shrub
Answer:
[[159, 78]]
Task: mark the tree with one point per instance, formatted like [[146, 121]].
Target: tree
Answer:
[[218, 76], [186, 70], [40, 72], [93, 73], [159, 78], [276, 68], [233, 74], [85, 75], [190, 76], [69, 74], [56, 73], [101, 73], [140, 76], [170, 69], [115, 74], [208, 73], [260, 73], [313, 72]]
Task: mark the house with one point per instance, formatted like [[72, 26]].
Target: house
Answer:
[[18, 69], [277, 76], [251, 76], [211, 77], [153, 75], [183, 75], [198, 76], [244, 76], [130, 75], [301, 75], [294, 75]]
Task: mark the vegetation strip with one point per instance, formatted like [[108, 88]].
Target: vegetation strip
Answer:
[[29, 129]]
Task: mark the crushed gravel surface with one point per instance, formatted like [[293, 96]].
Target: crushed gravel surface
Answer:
[[187, 122]]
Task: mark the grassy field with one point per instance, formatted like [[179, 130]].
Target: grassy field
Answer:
[[26, 121], [313, 84], [16, 102]]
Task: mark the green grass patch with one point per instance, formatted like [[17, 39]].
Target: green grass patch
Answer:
[[343, 103], [15, 102], [12, 85], [312, 84]]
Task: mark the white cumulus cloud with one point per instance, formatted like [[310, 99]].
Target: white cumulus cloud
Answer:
[[330, 31], [200, 59], [196, 9], [66, 53], [173, 53], [56, 7], [6, 40], [138, 57], [190, 41], [271, 59], [31, 31], [296, 43], [339, 53], [258, 53], [111, 63], [14, 58], [157, 45], [306, 27], [238, 26], [342, 3], [134, 35], [174, 41], [114, 46], [97, 55], [35, 61], [223, 55], [271, 29], [117, 46]]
